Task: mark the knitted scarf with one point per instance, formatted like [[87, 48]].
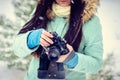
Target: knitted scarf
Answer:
[[61, 11]]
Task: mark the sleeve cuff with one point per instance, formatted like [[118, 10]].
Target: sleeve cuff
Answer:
[[73, 62], [33, 39], [71, 55]]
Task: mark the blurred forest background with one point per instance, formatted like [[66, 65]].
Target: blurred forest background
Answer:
[[14, 68]]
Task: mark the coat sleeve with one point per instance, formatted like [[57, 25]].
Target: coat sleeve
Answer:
[[20, 47], [90, 60]]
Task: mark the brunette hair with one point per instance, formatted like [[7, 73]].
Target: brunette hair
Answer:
[[39, 20]]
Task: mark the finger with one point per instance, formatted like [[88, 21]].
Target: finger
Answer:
[[47, 53], [44, 43], [46, 38], [47, 34], [69, 47]]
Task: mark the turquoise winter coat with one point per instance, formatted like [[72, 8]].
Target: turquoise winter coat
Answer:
[[89, 53]]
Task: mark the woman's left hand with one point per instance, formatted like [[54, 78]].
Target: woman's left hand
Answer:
[[63, 57]]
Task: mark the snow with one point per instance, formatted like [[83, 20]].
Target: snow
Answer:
[[10, 74], [7, 9], [109, 15]]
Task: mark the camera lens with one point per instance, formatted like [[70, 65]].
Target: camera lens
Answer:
[[54, 54]]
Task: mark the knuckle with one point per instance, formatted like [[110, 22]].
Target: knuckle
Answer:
[[42, 35]]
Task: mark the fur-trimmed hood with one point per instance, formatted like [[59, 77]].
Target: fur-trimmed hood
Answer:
[[90, 9]]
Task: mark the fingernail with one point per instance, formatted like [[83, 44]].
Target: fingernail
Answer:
[[52, 42], [51, 35]]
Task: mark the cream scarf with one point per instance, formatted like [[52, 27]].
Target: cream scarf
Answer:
[[61, 11]]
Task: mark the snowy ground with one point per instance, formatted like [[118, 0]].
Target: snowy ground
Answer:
[[10, 74], [109, 15]]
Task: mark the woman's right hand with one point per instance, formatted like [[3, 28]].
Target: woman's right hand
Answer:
[[45, 39]]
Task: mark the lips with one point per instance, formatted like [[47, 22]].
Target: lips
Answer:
[[63, 1]]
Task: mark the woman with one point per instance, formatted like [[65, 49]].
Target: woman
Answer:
[[75, 20]]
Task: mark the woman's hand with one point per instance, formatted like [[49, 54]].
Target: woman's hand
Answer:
[[63, 57], [45, 39]]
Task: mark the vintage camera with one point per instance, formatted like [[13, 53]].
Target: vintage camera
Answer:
[[48, 67], [57, 48]]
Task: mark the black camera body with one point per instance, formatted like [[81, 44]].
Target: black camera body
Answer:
[[48, 67], [57, 48]]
